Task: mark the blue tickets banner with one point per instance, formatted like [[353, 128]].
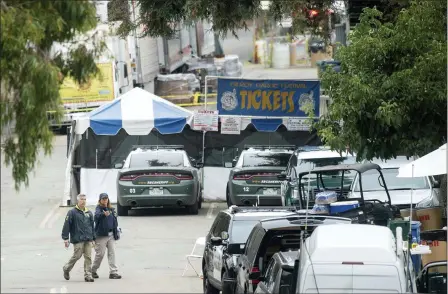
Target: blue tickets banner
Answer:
[[280, 98]]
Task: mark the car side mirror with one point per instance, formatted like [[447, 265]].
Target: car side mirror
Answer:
[[234, 162], [118, 165], [284, 289], [436, 184], [216, 241], [224, 236], [199, 164], [281, 176], [255, 276]]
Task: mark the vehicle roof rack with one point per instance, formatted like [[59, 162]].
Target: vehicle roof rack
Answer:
[[287, 147], [157, 147], [236, 209]]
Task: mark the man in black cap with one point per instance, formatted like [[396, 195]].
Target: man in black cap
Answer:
[[106, 231]]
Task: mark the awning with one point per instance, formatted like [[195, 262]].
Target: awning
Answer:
[[431, 164], [138, 112]]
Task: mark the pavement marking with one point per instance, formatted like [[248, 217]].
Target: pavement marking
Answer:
[[210, 210], [48, 216], [2, 258], [64, 289], [28, 212], [53, 220]]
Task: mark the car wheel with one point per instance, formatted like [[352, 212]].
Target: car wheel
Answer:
[[229, 202], [122, 210], [193, 209], [227, 287], [207, 287]]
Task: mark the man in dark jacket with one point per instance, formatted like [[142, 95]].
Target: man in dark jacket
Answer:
[[80, 229], [106, 232]]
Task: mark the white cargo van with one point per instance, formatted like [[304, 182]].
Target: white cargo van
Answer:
[[351, 258]]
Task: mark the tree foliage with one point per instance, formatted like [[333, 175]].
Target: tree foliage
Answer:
[[32, 71], [389, 98], [159, 17]]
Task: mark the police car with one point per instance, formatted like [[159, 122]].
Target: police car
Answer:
[[253, 179]]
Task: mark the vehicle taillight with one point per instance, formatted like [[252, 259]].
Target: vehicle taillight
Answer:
[[255, 269], [128, 177], [183, 177], [242, 177], [248, 176]]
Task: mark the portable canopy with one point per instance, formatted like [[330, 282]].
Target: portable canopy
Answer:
[[138, 112], [431, 164]]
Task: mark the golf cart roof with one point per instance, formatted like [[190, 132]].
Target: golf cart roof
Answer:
[[359, 167]]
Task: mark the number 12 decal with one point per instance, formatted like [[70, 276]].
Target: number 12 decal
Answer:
[[246, 189]]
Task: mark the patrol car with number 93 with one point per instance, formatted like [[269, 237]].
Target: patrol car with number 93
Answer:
[[159, 176]]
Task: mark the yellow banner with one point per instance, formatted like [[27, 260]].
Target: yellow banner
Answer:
[[100, 88]]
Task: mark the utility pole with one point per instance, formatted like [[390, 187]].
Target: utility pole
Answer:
[[137, 51]]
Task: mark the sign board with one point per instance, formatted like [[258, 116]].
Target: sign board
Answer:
[[267, 98], [231, 125], [205, 120], [100, 88], [297, 124]]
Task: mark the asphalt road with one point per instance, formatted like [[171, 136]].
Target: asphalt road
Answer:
[[150, 255]]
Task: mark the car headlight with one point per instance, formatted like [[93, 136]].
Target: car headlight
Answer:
[[431, 201]]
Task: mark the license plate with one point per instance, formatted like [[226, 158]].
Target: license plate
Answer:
[[156, 191], [270, 191]]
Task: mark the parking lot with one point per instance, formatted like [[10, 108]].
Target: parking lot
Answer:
[[150, 255]]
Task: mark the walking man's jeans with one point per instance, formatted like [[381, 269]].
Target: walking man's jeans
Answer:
[[79, 249], [100, 249]]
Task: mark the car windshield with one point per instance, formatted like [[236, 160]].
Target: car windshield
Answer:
[[308, 164], [241, 230], [266, 159], [157, 158], [370, 181]]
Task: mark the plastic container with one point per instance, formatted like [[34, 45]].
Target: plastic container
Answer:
[[343, 206], [415, 230], [320, 209], [326, 197], [280, 56]]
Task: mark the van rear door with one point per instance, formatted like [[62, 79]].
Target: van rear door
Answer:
[[330, 278], [376, 279]]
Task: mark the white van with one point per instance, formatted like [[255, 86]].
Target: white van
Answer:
[[351, 258]]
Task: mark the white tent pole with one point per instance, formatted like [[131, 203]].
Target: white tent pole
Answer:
[[203, 157], [96, 158]]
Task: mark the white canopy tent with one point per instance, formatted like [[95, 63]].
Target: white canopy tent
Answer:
[[431, 164]]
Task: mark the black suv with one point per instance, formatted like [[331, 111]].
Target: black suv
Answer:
[[226, 240], [277, 278], [271, 236]]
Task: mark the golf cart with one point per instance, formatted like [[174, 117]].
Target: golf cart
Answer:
[[315, 195]]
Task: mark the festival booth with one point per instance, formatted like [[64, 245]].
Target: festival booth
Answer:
[[253, 112], [106, 135]]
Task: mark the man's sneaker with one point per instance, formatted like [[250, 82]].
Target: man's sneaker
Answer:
[[114, 276], [95, 275], [66, 274], [89, 279]]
